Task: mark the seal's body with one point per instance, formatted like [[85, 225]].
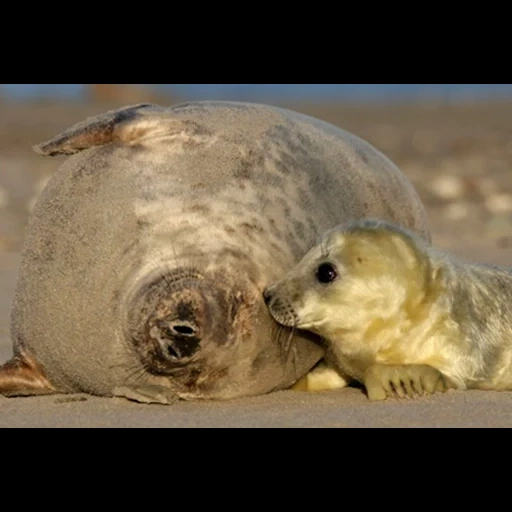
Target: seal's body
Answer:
[[399, 315], [147, 254]]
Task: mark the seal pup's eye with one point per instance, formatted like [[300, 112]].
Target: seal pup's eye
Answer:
[[326, 273]]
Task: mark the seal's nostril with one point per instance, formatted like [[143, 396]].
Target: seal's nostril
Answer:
[[267, 295], [172, 352], [185, 330]]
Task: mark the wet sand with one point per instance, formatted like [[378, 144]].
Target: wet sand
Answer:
[[470, 213]]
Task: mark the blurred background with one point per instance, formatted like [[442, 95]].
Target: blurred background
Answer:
[[454, 141]]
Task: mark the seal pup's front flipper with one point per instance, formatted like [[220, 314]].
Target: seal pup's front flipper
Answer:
[[403, 380], [22, 376], [128, 125]]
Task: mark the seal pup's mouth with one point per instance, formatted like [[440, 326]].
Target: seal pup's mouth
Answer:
[[280, 309]]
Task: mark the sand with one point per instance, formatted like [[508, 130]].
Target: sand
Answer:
[[471, 215]]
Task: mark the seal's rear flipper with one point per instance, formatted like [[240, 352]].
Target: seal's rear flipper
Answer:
[[128, 125], [21, 376]]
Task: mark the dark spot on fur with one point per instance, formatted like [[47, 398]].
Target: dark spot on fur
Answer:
[[142, 224], [299, 229], [151, 194], [243, 172], [304, 198], [296, 248], [281, 167], [273, 228], [229, 230], [115, 296], [185, 311], [195, 128], [250, 228], [264, 201], [45, 250], [261, 361], [98, 162], [362, 155], [131, 246], [276, 182], [199, 208], [275, 247], [253, 161]]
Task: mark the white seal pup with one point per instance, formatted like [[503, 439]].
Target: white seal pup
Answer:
[[147, 254], [397, 314]]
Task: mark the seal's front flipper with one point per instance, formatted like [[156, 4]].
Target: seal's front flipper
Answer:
[[408, 380], [22, 376], [147, 394]]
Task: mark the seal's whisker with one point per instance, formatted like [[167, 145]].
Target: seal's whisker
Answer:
[[288, 343], [175, 254], [294, 352], [136, 373]]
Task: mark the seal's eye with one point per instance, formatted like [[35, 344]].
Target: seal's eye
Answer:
[[326, 273]]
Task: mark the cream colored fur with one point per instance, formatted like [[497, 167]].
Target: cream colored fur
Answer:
[[397, 301]]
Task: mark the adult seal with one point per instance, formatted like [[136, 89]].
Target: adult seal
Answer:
[[147, 254], [399, 315]]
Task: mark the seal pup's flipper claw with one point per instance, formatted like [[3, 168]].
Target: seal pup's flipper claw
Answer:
[[405, 381], [22, 376], [147, 394]]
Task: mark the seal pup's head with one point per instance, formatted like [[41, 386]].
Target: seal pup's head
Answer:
[[362, 278]]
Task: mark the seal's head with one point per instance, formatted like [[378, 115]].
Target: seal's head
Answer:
[[208, 333], [358, 278]]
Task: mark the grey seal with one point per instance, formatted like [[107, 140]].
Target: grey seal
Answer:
[[147, 253]]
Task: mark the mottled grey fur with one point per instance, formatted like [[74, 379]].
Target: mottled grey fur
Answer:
[[481, 299], [238, 191]]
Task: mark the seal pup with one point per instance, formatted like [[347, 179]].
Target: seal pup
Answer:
[[397, 314], [147, 253]]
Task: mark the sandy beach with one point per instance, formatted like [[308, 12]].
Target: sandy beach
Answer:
[[458, 157]]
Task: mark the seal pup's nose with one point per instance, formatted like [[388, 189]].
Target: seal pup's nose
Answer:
[[267, 295]]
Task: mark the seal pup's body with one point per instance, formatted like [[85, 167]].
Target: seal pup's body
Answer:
[[147, 253], [399, 315]]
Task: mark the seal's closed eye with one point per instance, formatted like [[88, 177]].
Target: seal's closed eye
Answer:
[[326, 273]]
